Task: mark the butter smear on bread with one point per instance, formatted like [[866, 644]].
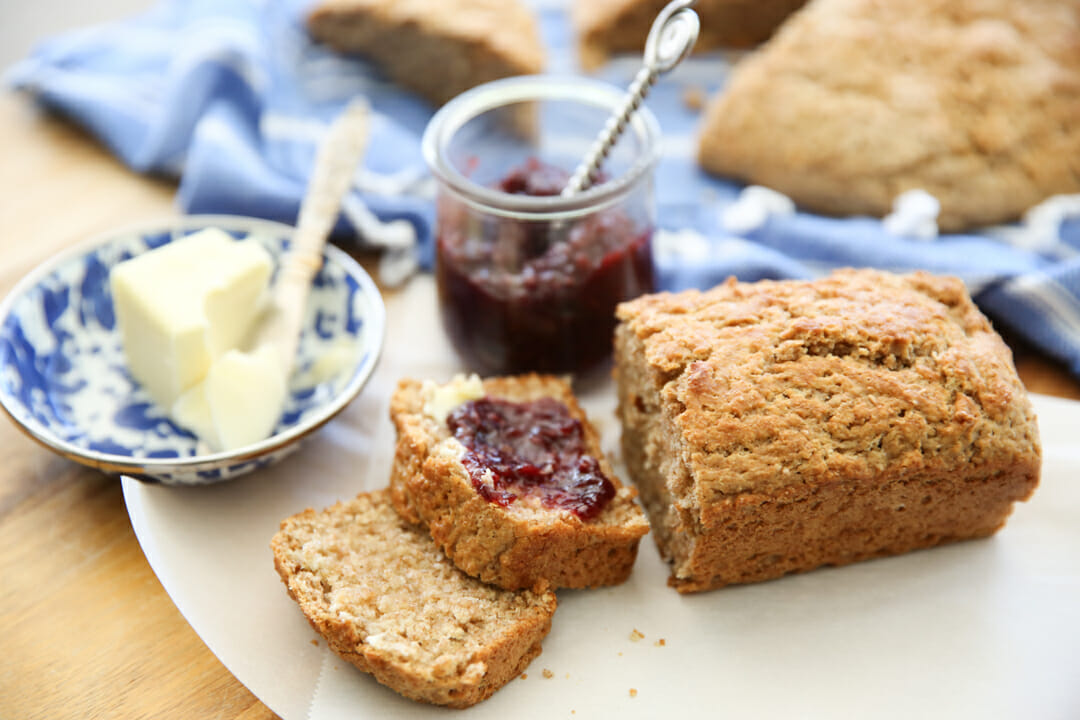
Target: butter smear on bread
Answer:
[[440, 400]]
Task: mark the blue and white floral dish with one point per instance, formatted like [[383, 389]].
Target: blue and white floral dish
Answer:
[[64, 381]]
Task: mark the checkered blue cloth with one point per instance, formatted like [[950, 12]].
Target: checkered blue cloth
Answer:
[[231, 97]]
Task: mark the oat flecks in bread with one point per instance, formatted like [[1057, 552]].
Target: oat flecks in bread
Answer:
[[775, 427], [438, 48], [606, 27], [853, 102], [517, 546], [388, 601]]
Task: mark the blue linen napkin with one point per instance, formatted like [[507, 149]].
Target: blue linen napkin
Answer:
[[232, 96]]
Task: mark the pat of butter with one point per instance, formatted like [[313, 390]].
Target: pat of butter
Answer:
[[185, 304], [238, 403], [440, 400]]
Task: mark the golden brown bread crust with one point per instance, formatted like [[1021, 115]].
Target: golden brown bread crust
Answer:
[[513, 547], [852, 102], [775, 427], [438, 48], [387, 601], [606, 27]]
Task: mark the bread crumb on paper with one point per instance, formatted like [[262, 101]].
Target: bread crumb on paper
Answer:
[[633, 692], [693, 98], [547, 674], [660, 643], [636, 635]]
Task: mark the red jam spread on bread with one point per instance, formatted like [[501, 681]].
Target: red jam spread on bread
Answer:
[[529, 449], [537, 295]]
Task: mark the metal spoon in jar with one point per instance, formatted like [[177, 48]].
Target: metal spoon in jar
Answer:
[[670, 40]]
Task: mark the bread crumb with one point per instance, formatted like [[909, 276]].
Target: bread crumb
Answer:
[[315, 642], [547, 673], [693, 98], [633, 692], [524, 676], [660, 643], [636, 635]]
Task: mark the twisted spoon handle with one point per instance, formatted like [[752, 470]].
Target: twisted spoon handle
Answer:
[[670, 40], [335, 162]]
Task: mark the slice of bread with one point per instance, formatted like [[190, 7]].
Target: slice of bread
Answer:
[[853, 102], [387, 601], [524, 543], [607, 27], [437, 48]]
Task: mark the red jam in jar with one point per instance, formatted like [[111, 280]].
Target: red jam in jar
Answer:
[[533, 449], [539, 295]]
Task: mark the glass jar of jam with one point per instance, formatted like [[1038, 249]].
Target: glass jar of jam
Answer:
[[528, 280]]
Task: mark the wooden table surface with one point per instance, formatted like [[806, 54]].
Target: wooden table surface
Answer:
[[85, 627]]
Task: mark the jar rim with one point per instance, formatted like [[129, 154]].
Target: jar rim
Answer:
[[482, 98]]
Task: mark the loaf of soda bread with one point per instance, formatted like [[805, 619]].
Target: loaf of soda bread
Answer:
[[437, 48], [523, 544], [853, 102], [607, 27], [388, 601], [776, 427]]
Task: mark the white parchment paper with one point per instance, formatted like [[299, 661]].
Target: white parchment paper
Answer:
[[983, 629]]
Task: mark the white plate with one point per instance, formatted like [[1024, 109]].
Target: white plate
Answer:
[[982, 629]]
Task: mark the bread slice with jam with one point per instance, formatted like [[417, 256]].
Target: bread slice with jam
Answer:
[[509, 478]]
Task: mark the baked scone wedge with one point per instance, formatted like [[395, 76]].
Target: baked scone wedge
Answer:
[[853, 102], [388, 601], [521, 543], [437, 48], [607, 27], [776, 427]]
